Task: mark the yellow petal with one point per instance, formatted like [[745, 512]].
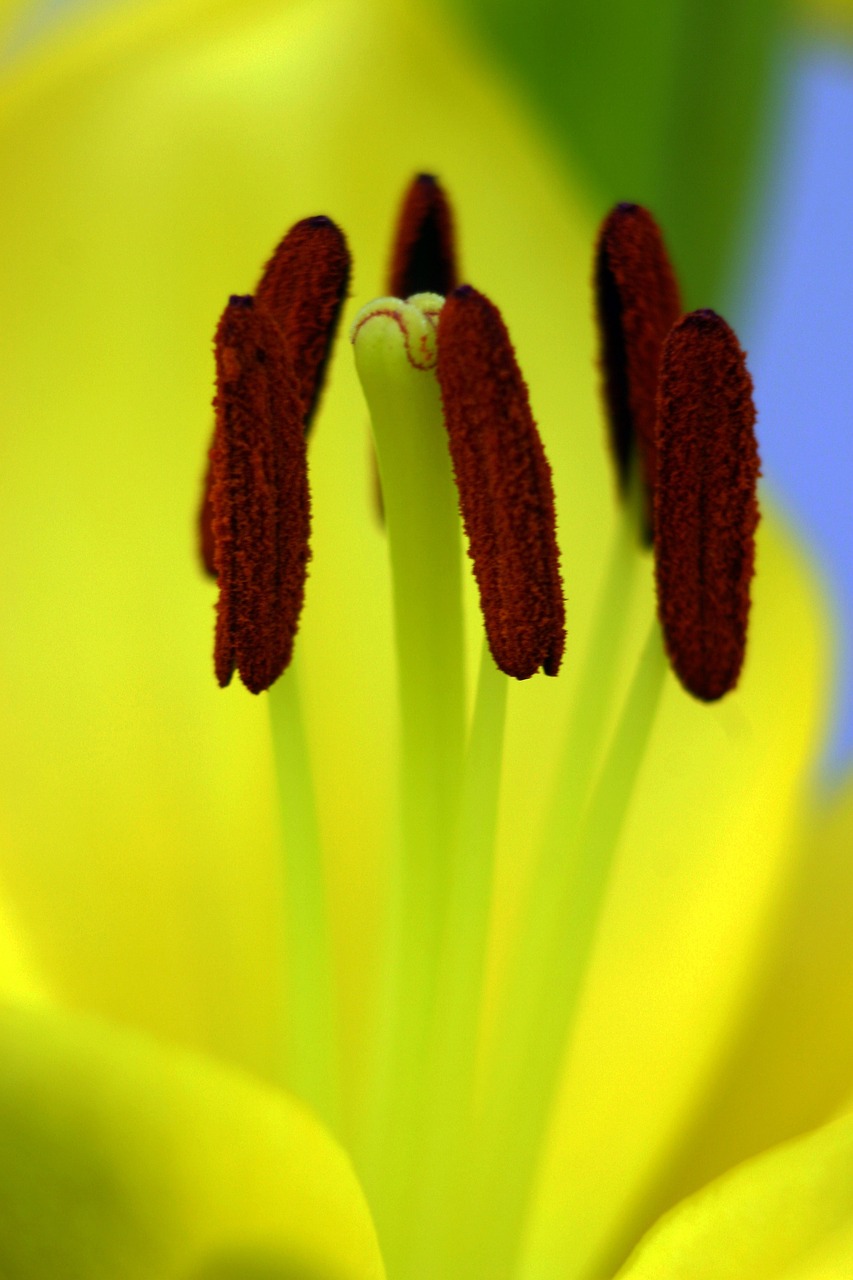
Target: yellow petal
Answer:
[[790, 1066], [787, 1215], [118, 1158]]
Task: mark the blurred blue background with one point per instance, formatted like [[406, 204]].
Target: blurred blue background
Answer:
[[792, 297], [796, 319]]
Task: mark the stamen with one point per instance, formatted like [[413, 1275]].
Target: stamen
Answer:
[[424, 255], [637, 303], [259, 499], [504, 483], [303, 287], [706, 510]]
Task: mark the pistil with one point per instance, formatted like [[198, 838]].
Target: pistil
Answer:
[[395, 356]]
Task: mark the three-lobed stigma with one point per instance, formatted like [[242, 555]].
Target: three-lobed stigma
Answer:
[[384, 323]]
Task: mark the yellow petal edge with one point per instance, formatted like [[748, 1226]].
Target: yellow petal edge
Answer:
[[787, 1215], [120, 1158]]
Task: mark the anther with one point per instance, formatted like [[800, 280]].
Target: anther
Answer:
[[504, 483], [303, 287], [706, 510], [637, 303], [259, 498], [424, 254]]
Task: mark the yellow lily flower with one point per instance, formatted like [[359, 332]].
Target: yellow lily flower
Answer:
[[148, 165]]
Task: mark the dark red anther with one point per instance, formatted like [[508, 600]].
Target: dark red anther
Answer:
[[706, 510], [303, 286], [424, 254], [259, 497], [637, 303], [504, 483]]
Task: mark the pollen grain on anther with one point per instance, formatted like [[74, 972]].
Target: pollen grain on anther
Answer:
[[637, 303], [706, 510], [423, 258], [504, 483], [259, 499]]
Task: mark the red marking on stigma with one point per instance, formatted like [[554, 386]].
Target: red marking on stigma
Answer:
[[303, 287], [504, 483], [259, 499], [706, 510], [424, 254], [637, 303], [420, 357]]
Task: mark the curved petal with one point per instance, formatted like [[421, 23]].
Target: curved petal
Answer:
[[787, 1215], [118, 1158], [790, 1065]]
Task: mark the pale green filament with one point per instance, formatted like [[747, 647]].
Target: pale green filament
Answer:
[[542, 998], [454, 1039], [311, 1053], [593, 700], [395, 356]]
